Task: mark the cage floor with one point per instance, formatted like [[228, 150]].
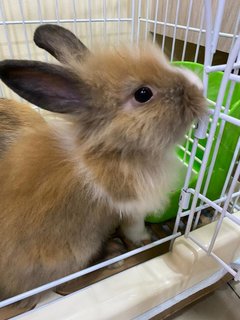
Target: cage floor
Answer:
[[115, 246], [151, 287], [157, 230]]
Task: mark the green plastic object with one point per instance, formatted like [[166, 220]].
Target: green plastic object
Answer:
[[225, 153]]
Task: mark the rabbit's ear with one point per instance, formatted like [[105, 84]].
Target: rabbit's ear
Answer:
[[60, 43], [48, 86]]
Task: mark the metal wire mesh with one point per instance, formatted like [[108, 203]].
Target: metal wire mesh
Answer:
[[174, 26]]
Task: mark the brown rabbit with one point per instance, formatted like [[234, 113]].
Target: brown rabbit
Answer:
[[65, 188]]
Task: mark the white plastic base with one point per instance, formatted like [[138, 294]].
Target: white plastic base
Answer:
[[133, 292]]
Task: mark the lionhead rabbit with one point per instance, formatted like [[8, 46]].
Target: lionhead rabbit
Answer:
[[65, 189]]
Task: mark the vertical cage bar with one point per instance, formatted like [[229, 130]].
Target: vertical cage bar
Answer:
[[155, 21], [187, 29], [139, 17], [217, 145], [185, 186], [226, 203], [222, 89], [90, 20], [41, 22], [57, 11], [190, 164], [119, 21], [187, 143], [24, 28], [225, 265], [40, 11], [175, 30], [219, 137], [208, 38], [217, 25], [133, 21], [235, 32], [3, 16], [235, 203], [207, 61], [105, 22], [146, 23], [164, 27], [234, 158], [74, 16], [199, 37]]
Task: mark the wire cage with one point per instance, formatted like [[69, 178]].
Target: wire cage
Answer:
[[205, 40]]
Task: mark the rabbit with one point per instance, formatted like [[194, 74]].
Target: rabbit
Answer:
[[65, 187]]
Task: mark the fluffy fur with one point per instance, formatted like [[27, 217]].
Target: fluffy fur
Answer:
[[65, 188]]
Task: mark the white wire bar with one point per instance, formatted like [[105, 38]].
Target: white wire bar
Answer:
[[74, 16], [168, 24], [89, 21], [216, 114], [217, 25], [211, 45], [133, 21], [16, 22], [225, 206], [39, 8], [185, 186], [233, 162], [236, 30], [224, 264], [216, 148], [155, 21], [24, 28], [186, 33], [199, 36], [57, 11], [138, 19], [209, 203], [164, 24], [81, 273], [218, 142], [119, 24], [227, 118], [6, 32], [217, 207], [175, 30], [189, 139], [220, 67], [235, 204], [189, 153], [146, 20], [104, 34], [234, 77], [204, 122]]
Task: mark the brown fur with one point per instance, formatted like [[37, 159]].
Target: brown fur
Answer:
[[64, 190], [47, 215]]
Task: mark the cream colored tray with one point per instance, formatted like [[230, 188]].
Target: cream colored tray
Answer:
[[153, 285]]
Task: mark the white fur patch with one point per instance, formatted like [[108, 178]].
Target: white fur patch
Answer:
[[152, 187], [192, 77], [152, 190]]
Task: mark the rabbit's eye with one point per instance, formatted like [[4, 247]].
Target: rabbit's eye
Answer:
[[143, 94]]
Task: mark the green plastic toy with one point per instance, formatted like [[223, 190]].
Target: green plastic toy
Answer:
[[225, 153]]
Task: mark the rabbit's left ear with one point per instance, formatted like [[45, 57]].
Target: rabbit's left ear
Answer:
[[60, 43], [48, 86]]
